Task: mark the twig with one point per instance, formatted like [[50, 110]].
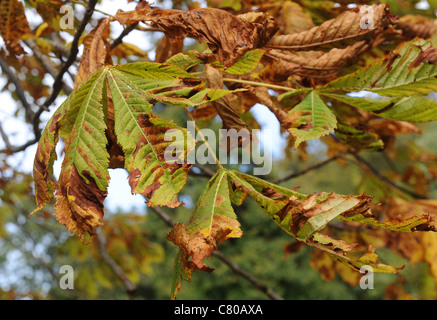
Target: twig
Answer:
[[258, 284], [12, 148], [233, 266], [18, 88], [128, 285], [310, 168], [123, 34], [376, 173], [57, 85], [48, 66]]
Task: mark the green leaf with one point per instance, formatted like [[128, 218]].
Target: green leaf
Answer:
[[303, 216], [156, 164], [142, 137], [214, 208], [212, 222], [183, 61], [412, 109], [246, 63], [358, 138], [410, 70], [180, 272], [84, 176], [311, 119], [83, 128]]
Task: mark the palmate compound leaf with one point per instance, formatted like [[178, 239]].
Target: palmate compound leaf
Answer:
[[212, 222], [304, 217], [82, 121]]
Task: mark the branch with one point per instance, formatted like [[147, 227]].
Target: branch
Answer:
[[27, 108], [57, 85], [47, 64], [125, 32], [368, 167], [233, 266], [128, 285], [12, 148], [18, 88], [313, 167]]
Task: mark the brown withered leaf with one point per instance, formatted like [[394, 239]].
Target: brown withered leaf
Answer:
[[96, 51], [396, 291], [262, 95], [339, 32], [13, 25], [79, 205], [228, 36], [300, 21], [196, 246], [204, 112], [317, 64], [413, 26], [115, 151], [292, 247], [167, 47], [44, 159], [387, 130], [230, 118]]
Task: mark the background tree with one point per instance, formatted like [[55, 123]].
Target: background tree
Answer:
[[350, 85]]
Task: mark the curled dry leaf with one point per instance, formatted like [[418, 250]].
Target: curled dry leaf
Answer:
[[339, 32], [231, 119], [228, 36], [316, 64], [413, 26], [96, 51]]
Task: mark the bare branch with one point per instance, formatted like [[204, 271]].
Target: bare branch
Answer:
[[310, 168], [128, 285], [368, 167], [18, 88], [258, 284], [47, 64], [11, 148], [125, 32], [57, 85], [233, 266]]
